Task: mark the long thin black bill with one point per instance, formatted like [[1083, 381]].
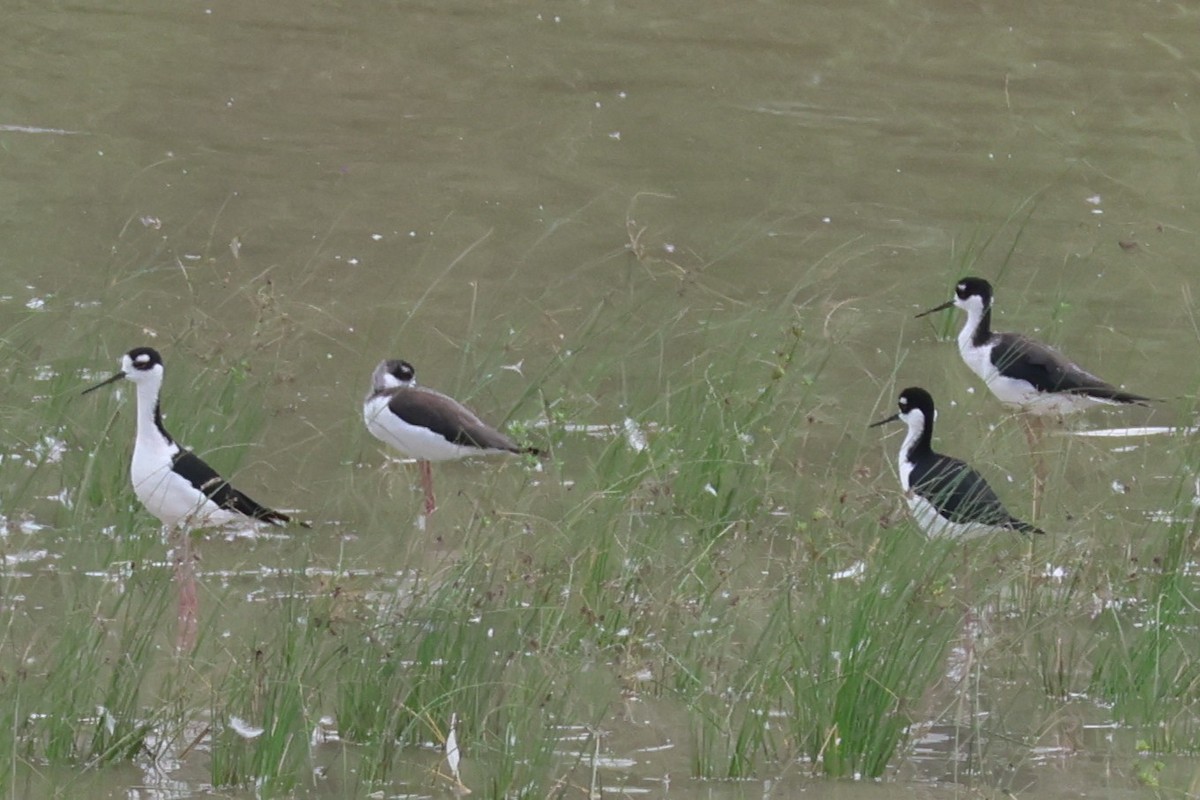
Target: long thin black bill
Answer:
[[105, 382], [942, 307]]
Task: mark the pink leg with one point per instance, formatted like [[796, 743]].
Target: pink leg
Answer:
[[1034, 426], [185, 581], [427, 484]]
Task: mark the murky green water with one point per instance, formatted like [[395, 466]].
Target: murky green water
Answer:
[[297, 192]]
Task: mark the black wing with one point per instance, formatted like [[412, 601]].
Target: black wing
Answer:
[[1049, 371], [450, 419], [191, 467], [960, 494]]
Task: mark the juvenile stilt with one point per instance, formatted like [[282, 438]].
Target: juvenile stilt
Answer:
[[427, 425]]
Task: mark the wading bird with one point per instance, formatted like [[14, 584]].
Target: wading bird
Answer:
[[947, 498], [1025, 374], [175, 484], [427, 425]]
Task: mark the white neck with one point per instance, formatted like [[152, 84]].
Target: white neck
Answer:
[[149, 437], [967, 334], [916, 426]]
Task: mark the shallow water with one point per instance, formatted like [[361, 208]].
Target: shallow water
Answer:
[[291, 196]]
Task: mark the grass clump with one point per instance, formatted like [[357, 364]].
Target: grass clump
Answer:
[[696, 540], [838, 671], [87, 696], [269, 703], [1146, 662], [474, 649]]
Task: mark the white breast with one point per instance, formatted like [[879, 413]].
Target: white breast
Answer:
[[923, 512], [1008, 391], [168, 496], [979, 359], [936, 526], [411, 440]]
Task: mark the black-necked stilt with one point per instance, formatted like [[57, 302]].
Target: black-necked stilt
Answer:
[[427, 425], [947, 497], [174, 484], [1020, 371]]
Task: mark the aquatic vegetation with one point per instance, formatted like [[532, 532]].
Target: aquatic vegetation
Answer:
[[709, 578]]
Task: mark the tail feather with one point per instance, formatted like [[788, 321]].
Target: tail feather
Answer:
[[1023, 527], [245, 505], [271, 516], [1114, 395]]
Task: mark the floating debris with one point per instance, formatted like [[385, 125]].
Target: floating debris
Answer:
[[1146, 430], [857, 569], [245, 729], [634, 436], [453, 756], [35, 129]]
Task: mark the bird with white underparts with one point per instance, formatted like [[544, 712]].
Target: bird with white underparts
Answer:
[[947, 498], [1020, 371], [174, 484], [1026, 374], [427, 425]]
